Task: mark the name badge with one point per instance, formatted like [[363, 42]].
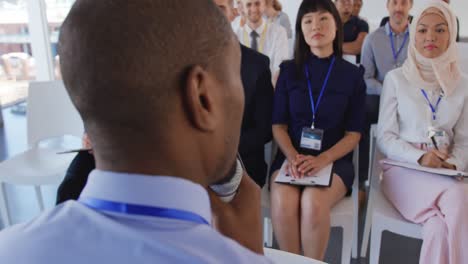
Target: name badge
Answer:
[[311, 138], [440, 136]]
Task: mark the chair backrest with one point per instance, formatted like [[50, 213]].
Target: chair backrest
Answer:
[[356, 168], [50, 112], [463, 55], [350, 58], [355, 188], [375, 169]]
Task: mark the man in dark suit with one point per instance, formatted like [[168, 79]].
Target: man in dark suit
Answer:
[[256, 123], [255, 131], [258, 91]]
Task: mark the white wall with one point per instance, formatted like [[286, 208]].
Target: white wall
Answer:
[[374, 10], [291, 7]]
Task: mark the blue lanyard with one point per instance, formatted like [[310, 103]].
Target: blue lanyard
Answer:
[[135, 209], [396, 54], [433, 108], [315, 106]]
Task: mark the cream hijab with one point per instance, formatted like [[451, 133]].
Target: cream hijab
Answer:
[[443, 71]]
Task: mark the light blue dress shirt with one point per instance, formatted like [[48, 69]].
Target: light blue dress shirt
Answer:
[[283, 20], [377, 56], [74, 233]]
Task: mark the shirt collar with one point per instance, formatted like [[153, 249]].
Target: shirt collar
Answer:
[[259, 30], [148, 190], [351, 20], [388, 29], [313, 57]]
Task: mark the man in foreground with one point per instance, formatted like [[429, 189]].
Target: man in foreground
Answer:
[[164, 120]]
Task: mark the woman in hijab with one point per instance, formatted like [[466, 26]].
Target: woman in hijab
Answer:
[[424, 120]]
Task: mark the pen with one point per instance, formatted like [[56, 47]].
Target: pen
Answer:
[[74, 151], [434, 143]]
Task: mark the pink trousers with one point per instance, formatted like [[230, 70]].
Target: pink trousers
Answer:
[[439, 203]]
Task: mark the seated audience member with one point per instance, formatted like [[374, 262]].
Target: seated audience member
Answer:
[[458, 23], [239, 16], [384, 49], [261, 36], [321, 90], [275, 15], [354, 29], [427, 96], [357, 5], [255, 130], [174, 133], [258, 92], [385, 20]]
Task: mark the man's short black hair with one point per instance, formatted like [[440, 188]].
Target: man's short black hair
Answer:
[[123, 62]]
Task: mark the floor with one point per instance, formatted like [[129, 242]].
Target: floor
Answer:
[[21, 200]]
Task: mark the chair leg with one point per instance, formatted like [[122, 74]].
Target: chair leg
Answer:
[[347, 243], [355, 236], [376, 242], [367, 225], [267, 232], [40, 200], [355, 197], [371, 155], [4, 205], [274, 150]]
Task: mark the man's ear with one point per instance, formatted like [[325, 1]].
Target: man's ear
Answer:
[[199, 95]]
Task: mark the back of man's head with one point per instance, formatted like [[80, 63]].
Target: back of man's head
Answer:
[[124, 63]]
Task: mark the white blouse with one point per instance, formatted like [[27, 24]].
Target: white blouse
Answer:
[[405, 117]]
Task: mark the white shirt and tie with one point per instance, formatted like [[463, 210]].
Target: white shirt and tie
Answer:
[[76, 233], [269, 39]]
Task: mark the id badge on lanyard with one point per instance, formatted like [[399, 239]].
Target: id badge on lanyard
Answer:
[[440, 137], [312, 137], [396, 53], [437, 137]]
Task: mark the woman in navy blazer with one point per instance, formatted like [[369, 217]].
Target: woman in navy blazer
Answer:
[[317, 82]]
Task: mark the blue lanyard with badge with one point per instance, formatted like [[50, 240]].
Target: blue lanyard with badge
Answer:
[[438, 136], [312, 137], [136, 209], [394, 52]]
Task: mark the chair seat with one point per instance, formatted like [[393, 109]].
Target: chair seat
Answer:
[[265, 197], [344, 207], [282, 257], [387, 216], [36, 166]]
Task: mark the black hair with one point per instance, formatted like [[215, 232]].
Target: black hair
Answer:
[[122, 61], [301, 48]]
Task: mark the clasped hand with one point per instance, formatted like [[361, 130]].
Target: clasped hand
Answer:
[[301, 166]]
